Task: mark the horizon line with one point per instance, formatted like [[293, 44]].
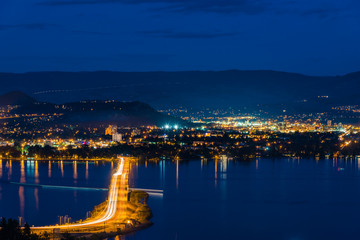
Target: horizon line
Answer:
[[182, 71]]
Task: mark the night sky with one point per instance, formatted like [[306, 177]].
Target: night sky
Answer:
[[316, 37]]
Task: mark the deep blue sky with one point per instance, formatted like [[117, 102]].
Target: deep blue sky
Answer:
[[317, 37]]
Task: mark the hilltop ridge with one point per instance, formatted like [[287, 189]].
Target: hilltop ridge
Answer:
[[15, 98], [232, 88], [91, 112]]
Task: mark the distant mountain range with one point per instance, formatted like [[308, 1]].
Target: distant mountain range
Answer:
[[92, 113], [231, 88]]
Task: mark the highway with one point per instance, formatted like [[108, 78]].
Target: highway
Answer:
[[114, 212]]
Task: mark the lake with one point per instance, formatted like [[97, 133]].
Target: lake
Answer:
[[222, 199]]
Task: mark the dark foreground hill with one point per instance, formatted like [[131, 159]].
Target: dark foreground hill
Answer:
[[15, 98], [93, 113], [192, 89]]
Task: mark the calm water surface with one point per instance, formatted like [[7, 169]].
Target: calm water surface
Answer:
[[262, 199]]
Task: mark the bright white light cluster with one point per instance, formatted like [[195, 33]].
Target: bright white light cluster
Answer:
[[167, 126]]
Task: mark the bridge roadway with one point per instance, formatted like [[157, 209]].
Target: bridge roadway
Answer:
[[112, 217], [153, 192]]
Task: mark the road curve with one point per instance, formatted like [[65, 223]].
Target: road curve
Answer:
[[117, 180]]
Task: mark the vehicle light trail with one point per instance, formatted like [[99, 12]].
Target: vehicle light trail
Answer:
[[111, 206]]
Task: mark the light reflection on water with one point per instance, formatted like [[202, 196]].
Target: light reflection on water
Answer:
[[36, 172], [22, 201], [87, 170], [62, 168], [75, 176], [49, 169], [36, 195], [22, 178], [216, 173], [177, 174], [10, 169]]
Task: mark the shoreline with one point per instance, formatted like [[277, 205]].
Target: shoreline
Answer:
[[105, 235], [59, 159]]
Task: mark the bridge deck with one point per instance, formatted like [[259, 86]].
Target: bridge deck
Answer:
[[114, 214]]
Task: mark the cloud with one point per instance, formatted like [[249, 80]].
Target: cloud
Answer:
[[42, 26], [186, 35], [31, 26], [219, 6], [89, 32], [215, 6], [321, 12], [250, 7], [311, 8], [63, 3]]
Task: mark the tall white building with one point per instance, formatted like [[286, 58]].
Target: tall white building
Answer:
[[117, 137], [329, 123]]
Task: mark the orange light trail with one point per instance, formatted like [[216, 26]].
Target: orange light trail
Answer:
[[111, 206]]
